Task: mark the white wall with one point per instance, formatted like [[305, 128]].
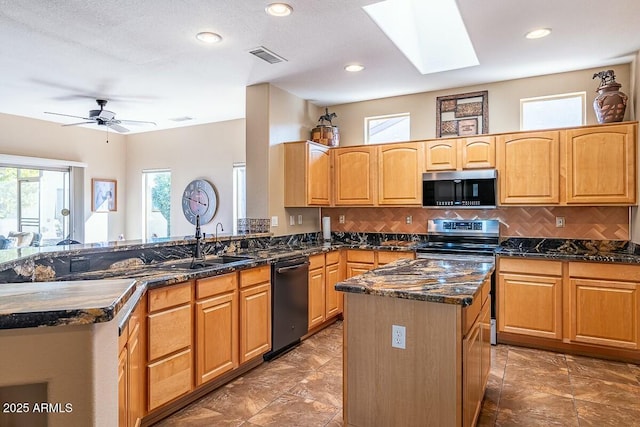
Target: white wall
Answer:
[[38, 138], [504, 103], [205, 151], [634, 101], [275, 116]]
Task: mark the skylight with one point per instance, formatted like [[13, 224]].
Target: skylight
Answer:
[[430, 33]]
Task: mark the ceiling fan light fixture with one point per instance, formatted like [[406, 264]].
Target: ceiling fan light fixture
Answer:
[[209, 37], [538, 33], [354, 68], [279, 9]]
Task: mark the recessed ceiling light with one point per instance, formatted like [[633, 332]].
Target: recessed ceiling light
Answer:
[[354, 68], [208, 37], [538, 33], [279, 9]]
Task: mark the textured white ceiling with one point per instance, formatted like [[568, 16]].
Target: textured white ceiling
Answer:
[[59, 55]]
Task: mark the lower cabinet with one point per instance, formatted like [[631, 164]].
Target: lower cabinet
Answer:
[[530, 297], [216, 326], [324, 301], [476, 363], [255, 312], [360, 261], [130, 371], [586, 306], [604, 302], [170, 354]]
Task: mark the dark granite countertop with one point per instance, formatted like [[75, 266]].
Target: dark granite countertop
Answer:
[[26, 305], [610, 251], [442, 281]]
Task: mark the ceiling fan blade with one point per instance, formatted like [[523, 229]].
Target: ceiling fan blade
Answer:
[[138, 122], [117, 127], [67, 115], [80, 123]]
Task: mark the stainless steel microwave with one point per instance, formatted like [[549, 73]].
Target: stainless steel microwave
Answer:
[[463, 189]]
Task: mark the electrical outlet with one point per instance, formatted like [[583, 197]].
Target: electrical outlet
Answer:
[[292, 220], [398, 336], [409, 219], [341, 219], [274, 221], [559, 221], [300, 219]]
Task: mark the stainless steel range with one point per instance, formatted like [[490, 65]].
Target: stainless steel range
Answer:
[[464, 239]]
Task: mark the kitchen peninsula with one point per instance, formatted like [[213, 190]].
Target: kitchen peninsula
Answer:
[[416, 343]]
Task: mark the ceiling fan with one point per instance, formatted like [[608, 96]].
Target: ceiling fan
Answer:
[[102, 117]]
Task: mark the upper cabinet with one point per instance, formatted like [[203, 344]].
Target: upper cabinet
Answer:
[[529, 168], [307, 174], [601, 164], [355, 175], [478, 152], [400, 174]]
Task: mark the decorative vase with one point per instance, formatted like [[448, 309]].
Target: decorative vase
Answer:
[[610, 104]]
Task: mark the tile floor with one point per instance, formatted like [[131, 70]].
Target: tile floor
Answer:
[[526, 388]]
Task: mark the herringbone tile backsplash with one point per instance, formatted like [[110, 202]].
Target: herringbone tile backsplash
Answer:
[[601, 223]]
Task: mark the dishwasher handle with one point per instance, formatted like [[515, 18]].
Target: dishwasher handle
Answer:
[[291, 267]]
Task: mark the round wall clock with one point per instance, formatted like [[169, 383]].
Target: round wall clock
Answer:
[[199, 198]]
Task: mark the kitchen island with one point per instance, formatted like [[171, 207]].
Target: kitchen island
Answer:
[[417, 343]]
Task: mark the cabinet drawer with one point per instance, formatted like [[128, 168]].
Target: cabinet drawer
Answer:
[[169, 296], [385, 257], [606, 271], [332, 257], [316, 261], [169, 331], [255, 276], [531, 266], [361, 256], [169, 378], [470, 313], [216, 285]]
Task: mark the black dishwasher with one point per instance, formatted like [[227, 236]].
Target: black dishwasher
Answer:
[[289, 304]]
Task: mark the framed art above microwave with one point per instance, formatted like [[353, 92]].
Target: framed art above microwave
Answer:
[[464, 114]]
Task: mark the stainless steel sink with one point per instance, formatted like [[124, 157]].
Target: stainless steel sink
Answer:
[[209, 262]]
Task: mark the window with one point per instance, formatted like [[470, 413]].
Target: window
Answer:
[[390, 128], [35, 200], [156, 203], [554, 111], [239, 194]]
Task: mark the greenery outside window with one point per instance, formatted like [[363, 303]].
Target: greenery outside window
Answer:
[[157, 203]]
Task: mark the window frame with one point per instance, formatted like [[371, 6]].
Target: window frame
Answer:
[[368, 119], [582, 95]]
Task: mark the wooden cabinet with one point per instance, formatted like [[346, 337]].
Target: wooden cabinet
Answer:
[[333, 274], [123, 387], [355, 175], [604, 304], [316, 290], [359, 261], [386, 257], [216, 326], [170, 332], [324, 301], [530, 297], [528, 166], [307, 174], [477, 152], [255, 312], [601, 165], [399, 174], [131, 391]]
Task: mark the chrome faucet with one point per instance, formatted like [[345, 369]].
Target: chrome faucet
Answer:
[[218, 246], [198, 252]]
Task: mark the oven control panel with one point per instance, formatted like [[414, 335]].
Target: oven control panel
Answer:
[[484, 227]]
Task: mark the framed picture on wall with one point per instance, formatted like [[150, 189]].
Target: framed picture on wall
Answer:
[[104, 194], [464, 114]]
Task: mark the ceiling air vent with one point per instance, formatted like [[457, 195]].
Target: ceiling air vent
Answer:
[[266, 55]]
